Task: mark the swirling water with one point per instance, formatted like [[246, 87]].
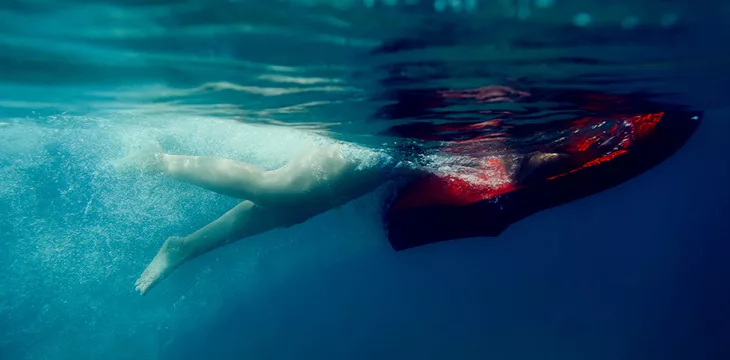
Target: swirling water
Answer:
[[82, 82]]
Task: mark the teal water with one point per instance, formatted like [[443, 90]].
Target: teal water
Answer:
[[84, 82]]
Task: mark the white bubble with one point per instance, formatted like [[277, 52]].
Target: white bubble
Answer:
[[544, 4], [630, 22], [439, 5], [582, 19]]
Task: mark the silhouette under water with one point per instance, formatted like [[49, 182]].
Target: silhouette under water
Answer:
[[616, 138]]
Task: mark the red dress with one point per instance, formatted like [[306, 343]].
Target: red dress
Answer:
[[485, 200]]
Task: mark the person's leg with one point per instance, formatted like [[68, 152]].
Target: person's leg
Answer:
[[309, 185], [224, 176], [244, 220], [315, 169]]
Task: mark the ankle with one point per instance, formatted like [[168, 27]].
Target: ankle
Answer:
[[159, 162]]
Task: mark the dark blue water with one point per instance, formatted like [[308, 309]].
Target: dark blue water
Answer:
[[636, 272]]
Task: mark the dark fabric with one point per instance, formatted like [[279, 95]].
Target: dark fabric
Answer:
[[416, 226]]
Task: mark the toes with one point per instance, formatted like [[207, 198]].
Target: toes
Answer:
[[142, 283], [138, 283], [141, 287]]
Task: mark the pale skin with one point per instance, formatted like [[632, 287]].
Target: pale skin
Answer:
[[313, 183]]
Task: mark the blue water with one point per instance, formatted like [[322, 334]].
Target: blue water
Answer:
[[636, 272]]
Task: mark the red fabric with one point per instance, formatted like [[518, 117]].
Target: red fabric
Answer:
[[492, 180]]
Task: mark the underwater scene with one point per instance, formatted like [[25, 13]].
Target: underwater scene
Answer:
[[364, 179]]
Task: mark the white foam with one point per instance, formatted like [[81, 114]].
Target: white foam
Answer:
[[262, 145]]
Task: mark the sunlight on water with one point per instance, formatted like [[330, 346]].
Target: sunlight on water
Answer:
[[252, 61]]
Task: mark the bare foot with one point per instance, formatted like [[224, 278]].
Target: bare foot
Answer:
[[145, 159], [167, 259]]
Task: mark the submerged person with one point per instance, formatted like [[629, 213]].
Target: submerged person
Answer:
[[430, 207], [313, 183]]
